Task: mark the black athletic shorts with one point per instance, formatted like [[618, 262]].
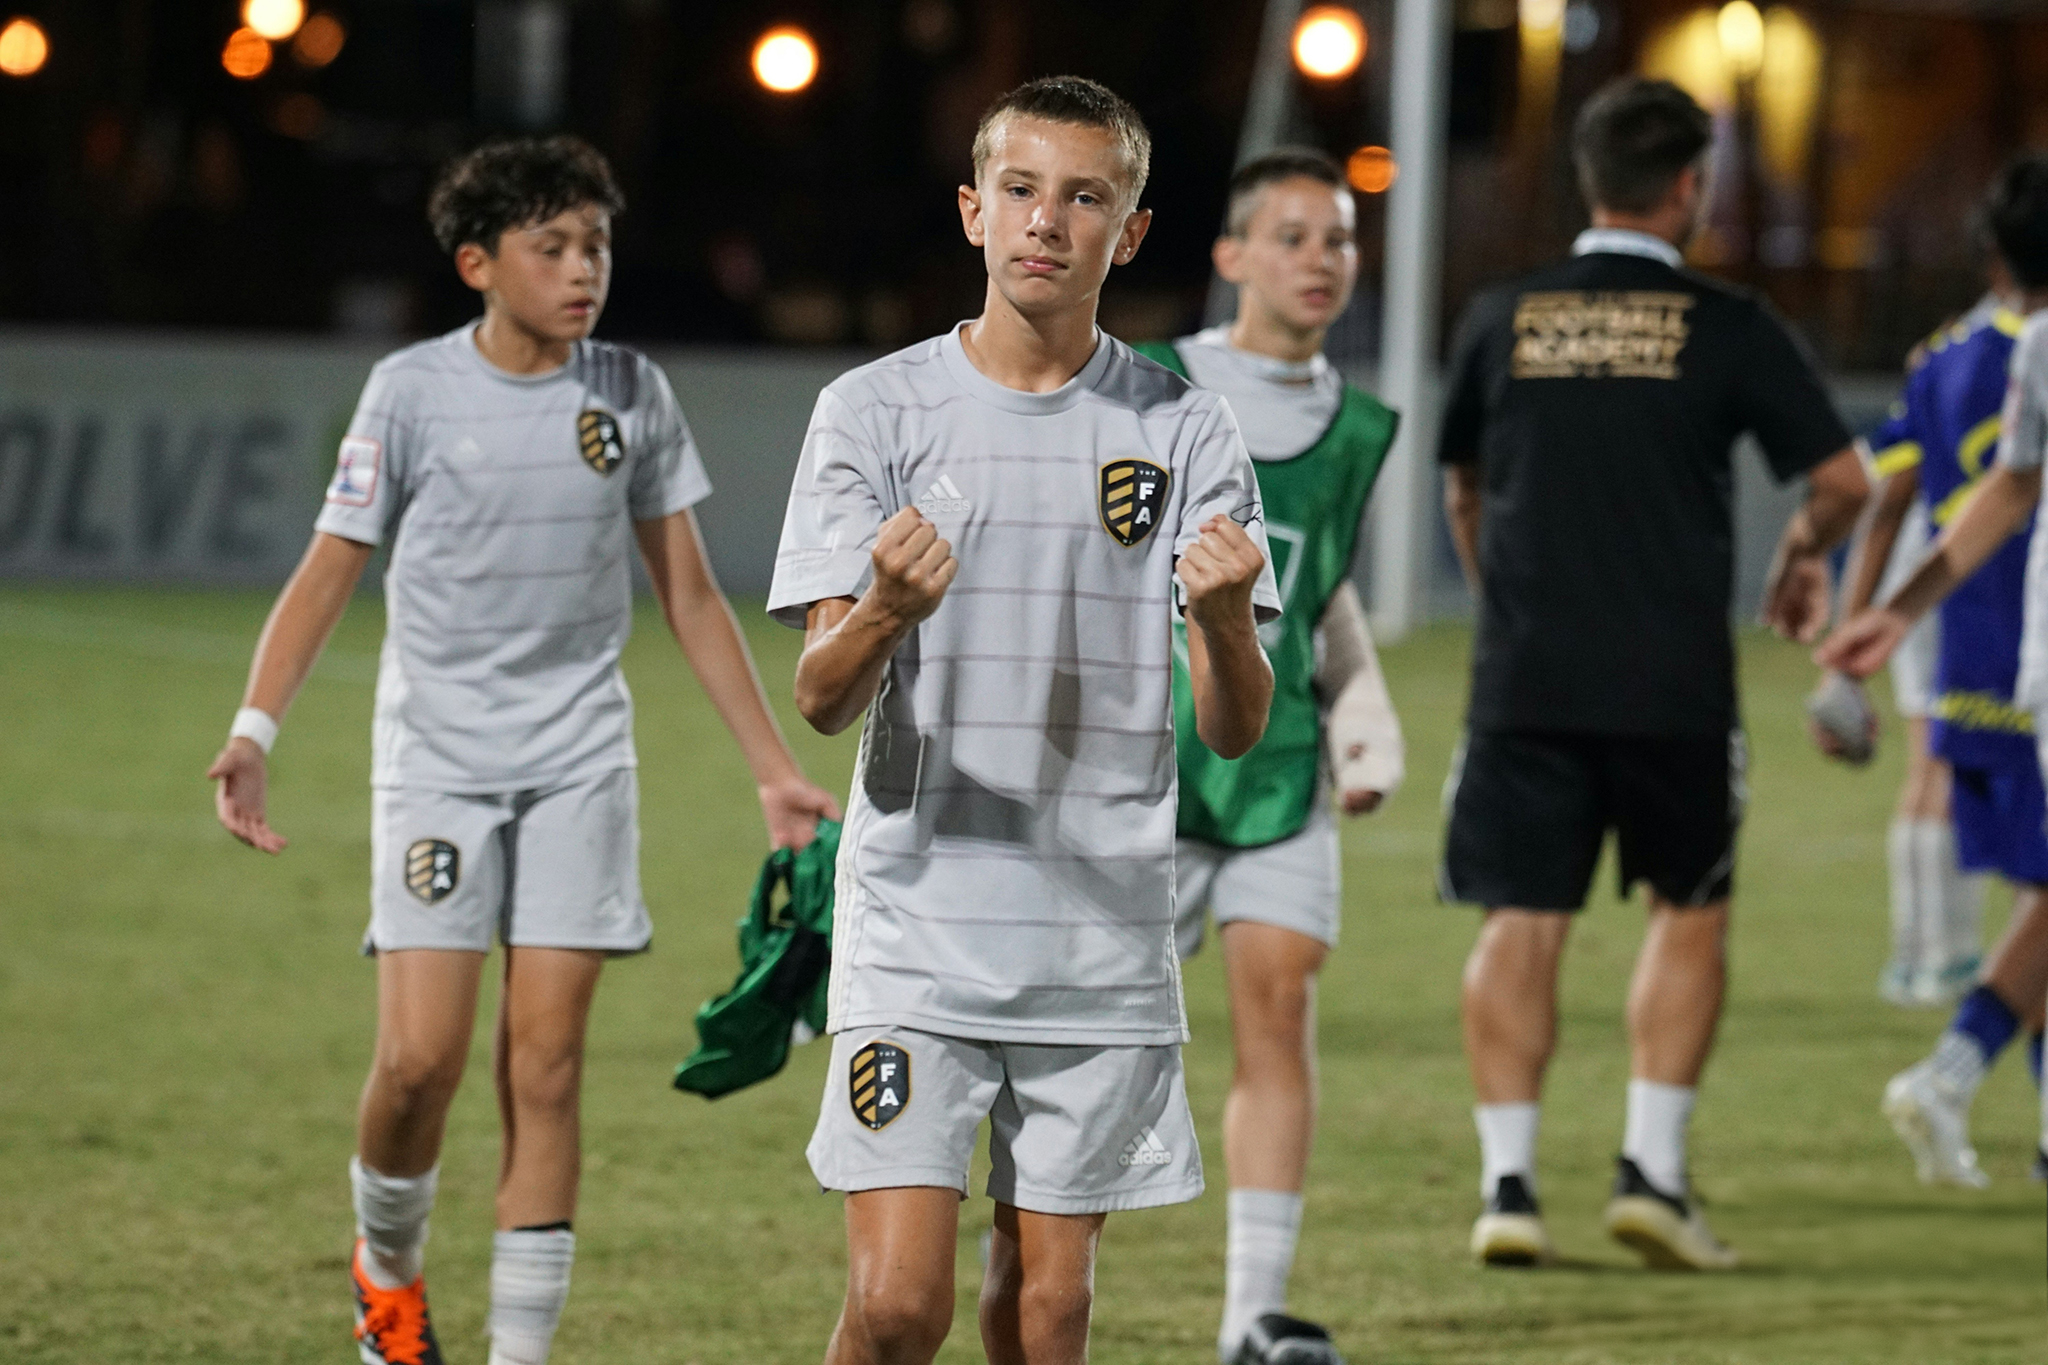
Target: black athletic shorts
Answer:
[[1529, 810]]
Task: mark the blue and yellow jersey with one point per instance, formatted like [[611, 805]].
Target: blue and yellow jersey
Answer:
[[1946, 426]]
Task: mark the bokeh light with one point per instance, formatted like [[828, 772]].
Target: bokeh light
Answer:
[[276, 20], [1742, 36], [1329, 42], [785, 60], [320, 41], [24, 47], [1371, 170], [246, 54]]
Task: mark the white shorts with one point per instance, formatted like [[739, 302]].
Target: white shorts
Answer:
[[1914, 661], [1912, 666], [1071, 1129], [556, 868], [1293, 883]]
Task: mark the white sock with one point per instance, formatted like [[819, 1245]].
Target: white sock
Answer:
[[1951, 902], [1959, 1059], [1507, 1144], [1900, 858], [529, 1285], [1264, 1226], [1654, 1137], [391, 1218]]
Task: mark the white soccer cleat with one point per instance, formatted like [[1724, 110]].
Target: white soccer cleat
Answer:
[[1667, 1231], [1510, 1232], [1933, 1120]]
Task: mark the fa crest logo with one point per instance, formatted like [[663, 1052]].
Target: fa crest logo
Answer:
[[432, 867], [597, 433], [880, 1088], [1133, 496]]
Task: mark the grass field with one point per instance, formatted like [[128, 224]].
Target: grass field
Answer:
[[186, 1025]]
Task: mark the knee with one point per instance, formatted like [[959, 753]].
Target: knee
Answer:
[[902, 1322], [546, 1078], [418, 1077], [1055, 1308]]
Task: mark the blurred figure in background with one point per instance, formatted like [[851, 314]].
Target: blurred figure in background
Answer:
[[1592, 412], [1971, 453], [1257, 846]]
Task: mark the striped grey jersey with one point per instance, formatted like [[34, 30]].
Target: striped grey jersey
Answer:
[[1006, 870], [507, 502]]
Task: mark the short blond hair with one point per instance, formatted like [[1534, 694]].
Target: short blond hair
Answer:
[[1075, 100]]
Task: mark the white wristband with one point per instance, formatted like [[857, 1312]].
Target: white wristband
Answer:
[[251, 723]]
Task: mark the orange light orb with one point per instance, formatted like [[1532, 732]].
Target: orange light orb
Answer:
[[1329, 42], [785, 60], [276, 20], [24, 47], [246, 54], [1371, 170], [320, 41]]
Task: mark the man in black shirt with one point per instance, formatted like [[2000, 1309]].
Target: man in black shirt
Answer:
[[1587, 450]]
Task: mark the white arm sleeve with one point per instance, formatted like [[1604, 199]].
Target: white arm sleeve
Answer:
[[1363, 733]]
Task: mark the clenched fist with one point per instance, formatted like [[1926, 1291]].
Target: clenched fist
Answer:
[[1219, 570], [913, 568]]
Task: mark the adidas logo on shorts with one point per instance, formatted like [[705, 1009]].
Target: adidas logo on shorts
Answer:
[[943, 497], [1145, 1150]]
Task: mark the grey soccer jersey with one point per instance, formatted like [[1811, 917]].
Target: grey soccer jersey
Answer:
[[1006, 871], [507, 501]]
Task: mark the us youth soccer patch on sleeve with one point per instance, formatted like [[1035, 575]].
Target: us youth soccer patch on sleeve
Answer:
[[1133, 495], [880, 1084], [355, 472], [597, 435], [432, 867]]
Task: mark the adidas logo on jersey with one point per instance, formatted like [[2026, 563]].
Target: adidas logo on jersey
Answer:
[[943, 497], [1145, 1150]]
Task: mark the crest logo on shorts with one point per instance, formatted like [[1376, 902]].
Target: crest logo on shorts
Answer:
[[1133, 496], [597, 434], [880, 1088], [432, 867]]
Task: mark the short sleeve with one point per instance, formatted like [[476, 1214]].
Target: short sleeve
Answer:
[[368, 489], [1893, 446], [1465, 389], [1781, 399], [1220, 478], [2025, 423], [669, 475], [836, 507]]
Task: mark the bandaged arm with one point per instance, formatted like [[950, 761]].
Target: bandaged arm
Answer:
[[1360, 727]]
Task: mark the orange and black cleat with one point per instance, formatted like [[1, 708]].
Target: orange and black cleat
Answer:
[[392, 1327]]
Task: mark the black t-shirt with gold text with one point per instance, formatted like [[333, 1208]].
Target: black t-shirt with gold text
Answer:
[[1601, 399]]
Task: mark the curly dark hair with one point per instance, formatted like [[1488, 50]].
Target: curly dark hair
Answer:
[[514, 182], [2014, 216]]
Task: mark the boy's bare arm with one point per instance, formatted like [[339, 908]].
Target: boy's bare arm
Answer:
[[1227, 667], [304, 616], [848, 642], [703, 623], [1998, 508], [1877, 531]]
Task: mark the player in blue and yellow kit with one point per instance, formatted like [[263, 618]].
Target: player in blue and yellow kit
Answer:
[[1947, 439]]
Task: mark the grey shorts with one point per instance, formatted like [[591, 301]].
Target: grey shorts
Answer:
[[555, 868], [1072, 1129], [1292, 884]]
